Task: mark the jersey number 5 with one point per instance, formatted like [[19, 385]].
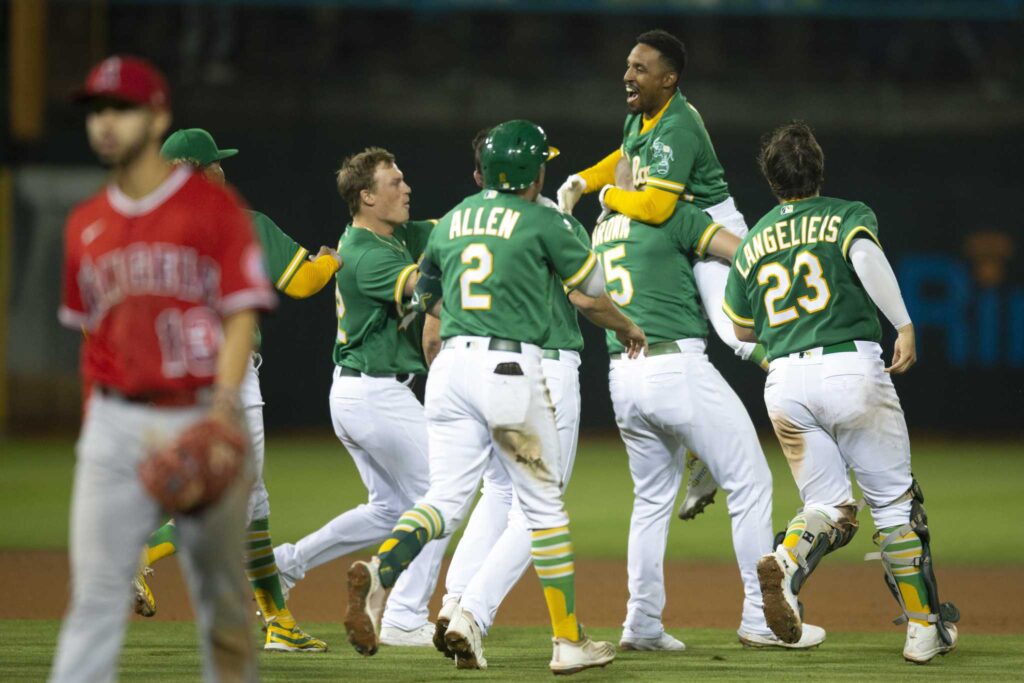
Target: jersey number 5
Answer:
[[814, 279], [478, 254], [616, 273]]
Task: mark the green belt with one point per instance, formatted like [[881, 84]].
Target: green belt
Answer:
[[351, 372], [494, 344], [551, 354], [656, 349], [841, 347]]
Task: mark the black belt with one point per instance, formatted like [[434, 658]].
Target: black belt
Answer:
[[351, 372], [494, 344], [656, 349]]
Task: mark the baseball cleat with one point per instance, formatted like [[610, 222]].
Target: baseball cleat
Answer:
[[923, 642], [663, 642], [444, 616], [464, 640], [812, 636], [143, 603], [700, 488], [572, 657], [418, 637], [281, 639], [365, 606], [781, 611]]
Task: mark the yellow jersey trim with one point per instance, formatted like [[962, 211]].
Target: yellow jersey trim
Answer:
[[400, 284], [667, 185], [293, 267], [705, 239], [653, 121], [853, 233], [582, 273], [737, 318]]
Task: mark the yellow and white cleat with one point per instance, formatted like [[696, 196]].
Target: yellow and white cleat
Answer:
[[143, 603], [281, 639]]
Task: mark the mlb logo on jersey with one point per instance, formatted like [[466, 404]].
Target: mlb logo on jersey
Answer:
[[788, 208]]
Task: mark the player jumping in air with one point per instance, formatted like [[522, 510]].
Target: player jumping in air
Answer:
[[299, 277], [805, 282]]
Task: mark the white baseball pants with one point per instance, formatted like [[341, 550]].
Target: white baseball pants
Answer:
[[836, 411], [495, 547], [665, 405], [252, 403], [475, 415], [381, 425], [111, 517]]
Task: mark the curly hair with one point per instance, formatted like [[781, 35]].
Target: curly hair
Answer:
[[791, 161], [357, 174]]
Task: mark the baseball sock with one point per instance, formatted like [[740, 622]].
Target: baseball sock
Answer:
[[794, 532], [551, 550], [261, 568], [161, 544], [908, 577], [415, 528]]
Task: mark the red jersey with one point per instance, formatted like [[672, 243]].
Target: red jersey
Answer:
[[150, 280]]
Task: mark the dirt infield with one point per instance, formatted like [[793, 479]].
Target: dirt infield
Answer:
[[840, 597]]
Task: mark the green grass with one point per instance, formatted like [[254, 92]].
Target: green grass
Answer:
[[165, 651], [969, 488]]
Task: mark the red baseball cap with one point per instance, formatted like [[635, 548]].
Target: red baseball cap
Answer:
[[125, 78]]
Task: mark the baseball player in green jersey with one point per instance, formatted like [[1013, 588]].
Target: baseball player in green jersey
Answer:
[[672, 162], [375, 414], [490, 259], [299, 277], [673, 400], [494, 550], [806, 282]]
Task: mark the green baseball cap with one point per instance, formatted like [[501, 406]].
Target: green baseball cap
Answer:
[[194, 145]]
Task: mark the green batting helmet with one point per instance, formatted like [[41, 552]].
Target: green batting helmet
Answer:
[[512, 154]]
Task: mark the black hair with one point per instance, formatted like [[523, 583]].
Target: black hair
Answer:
[[671, 48]]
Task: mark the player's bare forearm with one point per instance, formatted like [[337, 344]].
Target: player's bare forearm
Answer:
[[744, 334], [431, 338], [233, 362], [723, 245], [410, 284], [603, 313]]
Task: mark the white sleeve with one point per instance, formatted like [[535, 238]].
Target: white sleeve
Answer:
[[593, 284], [711, 275], [879, 281]]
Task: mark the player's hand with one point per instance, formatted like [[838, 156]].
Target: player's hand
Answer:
[[327, 251], [634, 339], [570, 192], [904, 354], [605, 211]]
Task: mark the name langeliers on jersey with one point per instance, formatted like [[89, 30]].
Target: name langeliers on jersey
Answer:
[[143, 269], [786, 235]]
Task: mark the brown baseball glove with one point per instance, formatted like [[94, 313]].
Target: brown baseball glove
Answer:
[[193, 471]]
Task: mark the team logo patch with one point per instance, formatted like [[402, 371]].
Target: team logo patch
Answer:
[[787, 209], [661, 157]]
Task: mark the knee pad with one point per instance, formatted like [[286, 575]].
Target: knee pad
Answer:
[[820, 537], [942, 613]]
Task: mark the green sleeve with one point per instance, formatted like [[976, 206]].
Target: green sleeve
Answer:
[[673, 152], [861, 222], [736, 305], [282, 254], [581, 234], [381, 274], [570, 258], [417, 233], [692, 229]]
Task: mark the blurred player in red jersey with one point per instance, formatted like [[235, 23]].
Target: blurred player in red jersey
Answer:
[[163, 272]]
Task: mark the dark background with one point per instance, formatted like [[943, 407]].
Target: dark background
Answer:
[[919, 107]]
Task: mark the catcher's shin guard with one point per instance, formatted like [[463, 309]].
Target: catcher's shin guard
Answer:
[[820, 537], [942, 613]]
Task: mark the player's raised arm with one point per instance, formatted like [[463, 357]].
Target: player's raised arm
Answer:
[[589, 180]]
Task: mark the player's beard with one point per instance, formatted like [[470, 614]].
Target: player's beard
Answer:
[[128, 155]]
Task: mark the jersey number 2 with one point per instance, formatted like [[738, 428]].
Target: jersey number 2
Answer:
[[478, 254], [814, 279]]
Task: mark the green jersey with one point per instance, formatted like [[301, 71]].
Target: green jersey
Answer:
[[375, 336], [565, 324], [281, 254], [675, 155], [496, 253], [791, 280], [648, 273]]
